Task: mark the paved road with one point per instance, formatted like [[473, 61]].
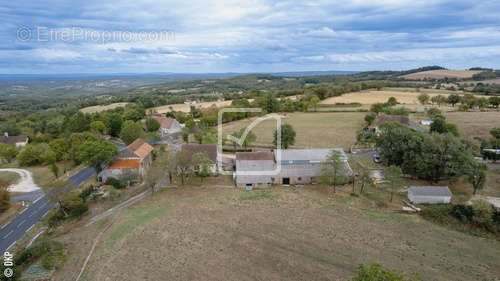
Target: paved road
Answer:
[[16, 228]]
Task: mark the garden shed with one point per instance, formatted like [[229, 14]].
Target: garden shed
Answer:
[[429, 194]]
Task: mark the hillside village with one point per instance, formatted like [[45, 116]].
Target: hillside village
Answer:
[[393, 157]]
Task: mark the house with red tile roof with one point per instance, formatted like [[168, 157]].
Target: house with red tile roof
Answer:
[[135, 159]]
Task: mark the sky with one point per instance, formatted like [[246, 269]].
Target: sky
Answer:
[[200, 36]]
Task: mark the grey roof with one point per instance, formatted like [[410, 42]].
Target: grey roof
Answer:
[[127, 153], [306, 156], [430, 190], [12, 140]]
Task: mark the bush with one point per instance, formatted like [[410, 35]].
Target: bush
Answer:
[[86, 192], [437, 213], [483, 214], [37, 250], [462, 212], [118, 184], [48, 262]]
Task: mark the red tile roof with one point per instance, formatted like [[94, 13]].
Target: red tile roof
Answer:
[[126, 164], [140, 148]]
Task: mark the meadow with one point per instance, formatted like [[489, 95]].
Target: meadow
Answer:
[[285, 233], [313, 130]]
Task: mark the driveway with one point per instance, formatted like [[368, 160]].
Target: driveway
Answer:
[[23, 222]]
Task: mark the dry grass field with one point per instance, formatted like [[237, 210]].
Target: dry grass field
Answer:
[[374, 96], [99, 108], [314, 130], [474, 124], [279, 234], [441, 74], [187, 107]]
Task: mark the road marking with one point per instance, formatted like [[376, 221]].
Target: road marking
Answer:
[[29, 228], [37, 199], [24, 210], [8, 234], [20, 223], [39, 208], [10, 246]]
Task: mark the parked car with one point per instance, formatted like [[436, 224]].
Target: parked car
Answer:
[[376, 158]]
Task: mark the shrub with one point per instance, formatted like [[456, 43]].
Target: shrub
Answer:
[[483, 214], [116, 183], [86, 192], [462, 212], [37, 250], [437, 213]]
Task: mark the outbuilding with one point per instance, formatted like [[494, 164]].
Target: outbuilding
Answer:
[[429, 194]]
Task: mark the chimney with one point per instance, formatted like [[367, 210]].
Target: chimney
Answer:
[[6, 134]]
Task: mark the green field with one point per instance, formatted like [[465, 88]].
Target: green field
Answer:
[[314, 130]]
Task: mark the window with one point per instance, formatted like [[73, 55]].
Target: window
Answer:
[[299, 178]]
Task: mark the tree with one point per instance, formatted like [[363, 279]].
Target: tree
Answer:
[[60, 147], [185, 134], [453, 99], [134, 114], [190, 124], [377, 107], [98, 127], [54, 169], [152, 125], [375, 272], [394, 179], [183, 164], [476, 175], [7, 152], [433, 112], [96, 153], [363, 175], [79, 122], [369, 118], [495, 132], [423, 98], [392, 101], [131, 131], [114, 123], [202, 164], [334, 169], [287, 136], [314, 102], [30, 155], [4, 195], [438, 125]]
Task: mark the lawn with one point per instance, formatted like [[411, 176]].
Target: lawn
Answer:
[[474, 124], [314, 130], [12, 178], [279, 234]]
